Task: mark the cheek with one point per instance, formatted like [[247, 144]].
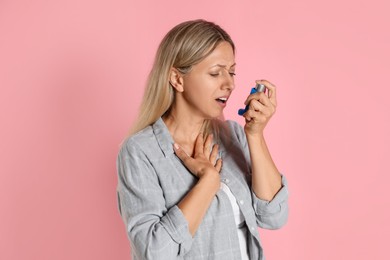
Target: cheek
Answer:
[[200, 86]]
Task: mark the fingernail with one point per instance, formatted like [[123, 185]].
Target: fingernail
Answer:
[[176, 146]]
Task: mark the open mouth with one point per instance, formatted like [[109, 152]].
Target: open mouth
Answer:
[[221, 100]]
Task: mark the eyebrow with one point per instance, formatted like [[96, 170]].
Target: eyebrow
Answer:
[[223, 66]]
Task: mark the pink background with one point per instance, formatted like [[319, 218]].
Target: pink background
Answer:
[[72, 75]]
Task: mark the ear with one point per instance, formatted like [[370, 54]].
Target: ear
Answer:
[[176, 80]]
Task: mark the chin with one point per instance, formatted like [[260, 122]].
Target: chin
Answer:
[[216, 116]]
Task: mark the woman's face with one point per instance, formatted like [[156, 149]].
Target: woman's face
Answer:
[[208, 85]]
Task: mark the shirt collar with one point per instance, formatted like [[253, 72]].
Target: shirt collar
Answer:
[[163, 136]]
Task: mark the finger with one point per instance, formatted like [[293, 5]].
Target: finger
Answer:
[[254, 96], [183, 156], [207, 146], [263, 104], [259, 107], [265, 100], [218, 165], [271, 90], [199, 145], [253, 116], [248, 116], [259, 96], [214, 154], [256, 106]]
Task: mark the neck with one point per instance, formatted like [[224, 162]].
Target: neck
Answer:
[[184, 129]]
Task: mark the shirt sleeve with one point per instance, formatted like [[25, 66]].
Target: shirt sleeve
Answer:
[[272, 214], [154, 231], [269, 214]]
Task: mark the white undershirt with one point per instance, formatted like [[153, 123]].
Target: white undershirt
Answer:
[[239, 219]]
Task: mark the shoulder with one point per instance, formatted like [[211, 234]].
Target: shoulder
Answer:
[[139, 143], [142, 136], [235, 129], [234, 126], [231, 132], [135, 160]]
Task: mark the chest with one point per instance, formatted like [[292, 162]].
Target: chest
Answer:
[[176, 181]]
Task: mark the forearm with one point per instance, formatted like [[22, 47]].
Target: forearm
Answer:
[[195, 204], [266, 179]]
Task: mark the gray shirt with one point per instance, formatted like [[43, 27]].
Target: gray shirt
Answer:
[[152, 181]]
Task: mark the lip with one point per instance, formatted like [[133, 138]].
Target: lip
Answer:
[[220, 103]]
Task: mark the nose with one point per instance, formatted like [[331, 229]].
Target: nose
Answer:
[[229, 82]]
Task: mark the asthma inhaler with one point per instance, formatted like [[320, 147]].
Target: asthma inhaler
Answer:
[[259, 88]]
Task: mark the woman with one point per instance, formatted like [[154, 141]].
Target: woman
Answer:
[[191, 185]]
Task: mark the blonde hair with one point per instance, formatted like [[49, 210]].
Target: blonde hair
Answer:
[[184, 46]]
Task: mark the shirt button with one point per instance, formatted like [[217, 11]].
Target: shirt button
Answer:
[[241, 202], [227, 180], [252, 228]]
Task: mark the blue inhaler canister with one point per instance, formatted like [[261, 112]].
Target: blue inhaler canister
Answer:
[[259, 88]]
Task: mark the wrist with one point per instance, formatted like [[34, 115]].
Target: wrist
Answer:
[[211, 178], [259, 136]]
